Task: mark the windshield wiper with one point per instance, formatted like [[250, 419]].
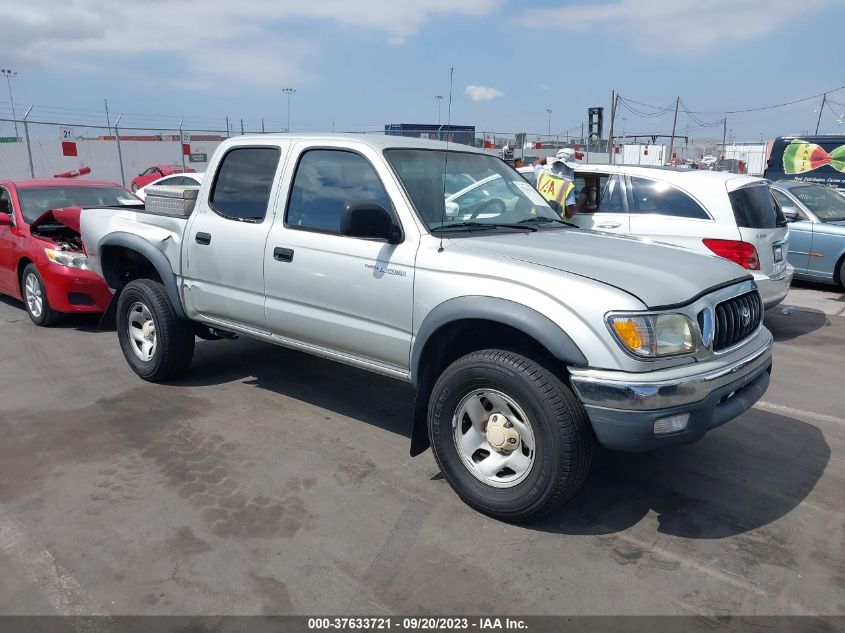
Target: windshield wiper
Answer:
[[544, 219], [481, 225]]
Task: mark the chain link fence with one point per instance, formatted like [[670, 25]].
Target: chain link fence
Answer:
[[40, 142]]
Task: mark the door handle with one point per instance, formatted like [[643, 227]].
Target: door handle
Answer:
[[609, 225], [283, 254], [203, 238]]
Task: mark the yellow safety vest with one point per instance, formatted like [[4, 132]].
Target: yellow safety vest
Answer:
[[555, 188]]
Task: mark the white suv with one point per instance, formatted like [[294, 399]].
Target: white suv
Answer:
[[716, 213]]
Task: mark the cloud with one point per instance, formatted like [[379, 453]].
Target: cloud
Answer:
[[691, 26], [483, 93], [248, 42]]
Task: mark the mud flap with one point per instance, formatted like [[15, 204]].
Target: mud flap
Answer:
[[109, 319], [419, 425]]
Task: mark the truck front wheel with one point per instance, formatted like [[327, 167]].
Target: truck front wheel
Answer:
[[511, 439], [156, 343]]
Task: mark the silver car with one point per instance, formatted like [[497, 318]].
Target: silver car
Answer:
[[816, 217]]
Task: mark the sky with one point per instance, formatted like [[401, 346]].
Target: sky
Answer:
[[357, 65]]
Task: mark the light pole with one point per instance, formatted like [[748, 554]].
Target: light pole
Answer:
[[549, 112], [9, 73], [289, 92], [439, 99]]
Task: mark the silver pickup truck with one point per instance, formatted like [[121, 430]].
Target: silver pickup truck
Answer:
[[527, 340]]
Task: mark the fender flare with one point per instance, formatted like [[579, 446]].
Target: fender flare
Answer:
[[518, 316], [153, 255]]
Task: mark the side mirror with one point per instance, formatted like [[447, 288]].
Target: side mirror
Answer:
[[790, 213], [369, 220], [5, 219]]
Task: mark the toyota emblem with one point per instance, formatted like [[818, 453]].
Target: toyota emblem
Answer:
[[746, 316]]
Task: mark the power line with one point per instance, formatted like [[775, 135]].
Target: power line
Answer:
[[779, 105]]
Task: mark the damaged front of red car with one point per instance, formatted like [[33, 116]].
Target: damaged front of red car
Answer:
[[50, 266]]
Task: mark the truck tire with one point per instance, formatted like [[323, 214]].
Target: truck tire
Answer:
[[157, 344], [34, 295], [510, 438]]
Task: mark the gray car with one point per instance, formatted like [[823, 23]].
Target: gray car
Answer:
[[816, 217]]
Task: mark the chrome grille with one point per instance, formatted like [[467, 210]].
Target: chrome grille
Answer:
[[736, 319]]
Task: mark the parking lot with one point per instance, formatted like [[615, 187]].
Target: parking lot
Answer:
[[273, 482]]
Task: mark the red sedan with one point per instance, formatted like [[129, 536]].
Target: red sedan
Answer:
[[151, 174], [42, 259]]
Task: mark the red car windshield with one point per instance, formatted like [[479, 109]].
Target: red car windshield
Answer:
[[35, 201]]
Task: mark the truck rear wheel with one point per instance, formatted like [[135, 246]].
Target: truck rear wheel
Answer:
[[511, 439], [156, 343]]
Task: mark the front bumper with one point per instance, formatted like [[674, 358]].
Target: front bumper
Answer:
[[74, 290], [624, 407], [774, 289]]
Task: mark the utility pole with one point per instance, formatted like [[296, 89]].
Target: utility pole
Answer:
[[108, 120], [549, 112], [227, 127], [262, 125], [119, 151], [724, 135], [439, 99], [28, 144], [242, 126], [182, 142], [674, 124], [610, 147], [824, 99], [289, 92], [9, 73]]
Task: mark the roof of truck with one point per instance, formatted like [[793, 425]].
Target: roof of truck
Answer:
[[376, 141]]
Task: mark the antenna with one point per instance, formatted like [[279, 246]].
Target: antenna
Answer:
[[446, 162]]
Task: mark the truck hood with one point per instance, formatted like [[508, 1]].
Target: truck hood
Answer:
[[69, 216], [657, 274]]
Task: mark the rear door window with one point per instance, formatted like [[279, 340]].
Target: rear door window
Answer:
[[242, 188], [661, 198], [754, 207]]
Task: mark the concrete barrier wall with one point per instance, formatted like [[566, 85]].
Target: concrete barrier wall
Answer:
[[100, 156]]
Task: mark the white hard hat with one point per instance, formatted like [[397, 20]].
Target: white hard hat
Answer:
[[565, 155]]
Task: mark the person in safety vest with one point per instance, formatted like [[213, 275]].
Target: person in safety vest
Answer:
[[556, 183]]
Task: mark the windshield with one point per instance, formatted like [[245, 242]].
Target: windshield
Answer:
[[35, 201], [497, 195], [826, 204]]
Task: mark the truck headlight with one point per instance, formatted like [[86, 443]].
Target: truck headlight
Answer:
[[655, 335], [67, 258]]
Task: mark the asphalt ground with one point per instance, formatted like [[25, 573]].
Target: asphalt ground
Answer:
[[271, 482]]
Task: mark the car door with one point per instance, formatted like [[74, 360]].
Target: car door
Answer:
[[607, 208], [349, 296], [225, 239], [800, 232], [663, 212], [8, 245]]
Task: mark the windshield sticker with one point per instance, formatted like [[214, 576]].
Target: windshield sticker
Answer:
[[530, 192], [800, 157]]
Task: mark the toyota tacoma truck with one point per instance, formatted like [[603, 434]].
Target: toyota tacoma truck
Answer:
[[528, 340]]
